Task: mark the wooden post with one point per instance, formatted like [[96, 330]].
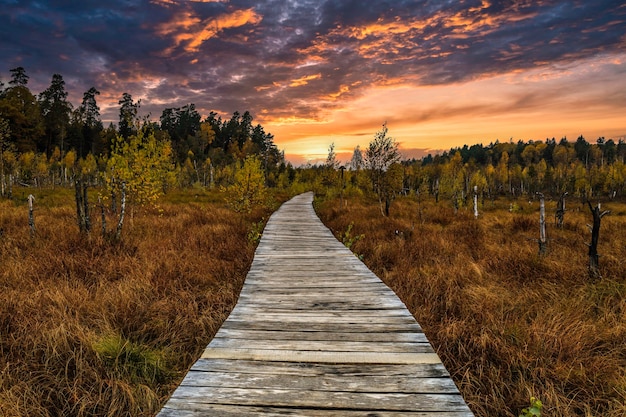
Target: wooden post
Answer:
[[475, 201], [542, 225], [31, 217], [594, 258]]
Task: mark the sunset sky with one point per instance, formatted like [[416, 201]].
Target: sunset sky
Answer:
[[440, 73]]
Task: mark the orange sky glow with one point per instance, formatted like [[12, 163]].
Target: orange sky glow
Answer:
[[316, 72], [522, 105]]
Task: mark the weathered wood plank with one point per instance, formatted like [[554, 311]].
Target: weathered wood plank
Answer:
[[327, 356], [346, 315], [194, 410], [307, 326], [318, 399], [322, 336], [423, 370], [318, 346], [315, 333], [371, 383]]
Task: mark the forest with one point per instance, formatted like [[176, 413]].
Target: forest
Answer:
[[45, 140], [123, 249]]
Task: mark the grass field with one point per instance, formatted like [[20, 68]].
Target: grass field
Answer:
[[509, 324], [95, 327]]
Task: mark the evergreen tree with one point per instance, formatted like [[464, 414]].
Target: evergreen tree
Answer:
[[129, 119], [20, 108], [18, 77], [55, 110], [91, 124]]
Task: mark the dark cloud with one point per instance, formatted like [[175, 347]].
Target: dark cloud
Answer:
[[291, 58]]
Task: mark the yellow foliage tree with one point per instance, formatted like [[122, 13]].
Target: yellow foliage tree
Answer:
[[248, 189], [138, 169]]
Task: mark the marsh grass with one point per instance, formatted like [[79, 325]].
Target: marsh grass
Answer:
[[94, 327], [508, 323]]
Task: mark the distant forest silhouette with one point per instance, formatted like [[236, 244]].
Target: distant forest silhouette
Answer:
[[43, 137]]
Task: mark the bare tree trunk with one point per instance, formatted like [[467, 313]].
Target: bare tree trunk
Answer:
[[120, 223], [594, 257], [86, 206], [31, 217], [419, 206], [103, 216], [455, 202], [82, 205], [475, 201], [560, 211], [543, 246]]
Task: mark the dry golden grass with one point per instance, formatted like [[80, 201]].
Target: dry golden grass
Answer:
[[508, 323], [92, 327]]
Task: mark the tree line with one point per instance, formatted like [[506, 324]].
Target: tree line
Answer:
[[582, 169], [509, 169], [45, 140]]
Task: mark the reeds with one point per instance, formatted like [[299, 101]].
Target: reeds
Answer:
[[508, 323], [94, 327]]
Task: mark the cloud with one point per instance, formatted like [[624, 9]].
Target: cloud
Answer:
[[289, 61], [189, 29]]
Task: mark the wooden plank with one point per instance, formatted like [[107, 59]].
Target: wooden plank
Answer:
[[248, 334], [194, 410], [326, 356], [318, 346], [347, 325], [315, 333], [324, 319], [318, 399], [370, 383], [423, 370]]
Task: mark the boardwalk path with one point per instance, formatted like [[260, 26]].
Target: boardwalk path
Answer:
[[315, 333]]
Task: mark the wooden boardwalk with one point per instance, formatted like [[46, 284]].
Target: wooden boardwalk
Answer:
[[315, 333]]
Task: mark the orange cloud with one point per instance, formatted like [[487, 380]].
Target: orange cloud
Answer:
[[304, 80], [187, 28], [342, 90], [182, 21], [382, 28], [167, 3], [475, 20]]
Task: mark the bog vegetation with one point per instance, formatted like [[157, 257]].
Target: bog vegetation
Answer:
[[141, 234]]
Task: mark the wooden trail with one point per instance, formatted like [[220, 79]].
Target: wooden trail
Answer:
[[315, 333]]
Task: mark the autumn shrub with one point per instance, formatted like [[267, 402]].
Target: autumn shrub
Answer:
[[95, 327], [508, 323]]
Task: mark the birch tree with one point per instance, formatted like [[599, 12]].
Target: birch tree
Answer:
[[137, 170], [381, 154]]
